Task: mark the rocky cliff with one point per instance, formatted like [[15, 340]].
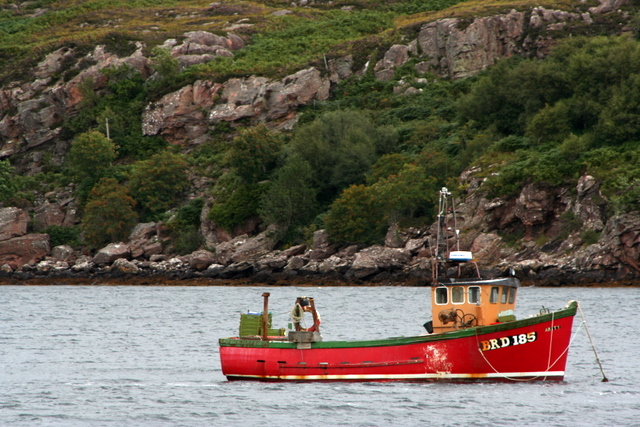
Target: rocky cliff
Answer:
[[556, 226], [552, 250]]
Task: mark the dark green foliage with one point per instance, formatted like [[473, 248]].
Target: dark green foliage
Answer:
[[511, 144], [90, 155], [187, 241], [59, 235], [401, 187], [290, 201], [157, 184], [8, 186], [185, 227], [585, 95], [355, 217], [119, 111], [89, 159], [340, 147], [188, 215], [235, 202], [109, 215], [254, 153], [403, 194]]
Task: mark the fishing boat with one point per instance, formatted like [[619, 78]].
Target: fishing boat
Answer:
[[473, 334]]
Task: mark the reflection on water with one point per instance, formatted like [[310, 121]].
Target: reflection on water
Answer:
[[86, 355]]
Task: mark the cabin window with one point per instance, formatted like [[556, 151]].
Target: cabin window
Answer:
[[512, 295], [505, 294], [442, 295], [495, 291], [474, 294], [457, 295]]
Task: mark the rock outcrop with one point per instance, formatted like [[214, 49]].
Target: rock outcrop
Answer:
[[555, 223], [17, 248], [32, 113], [550, 222]]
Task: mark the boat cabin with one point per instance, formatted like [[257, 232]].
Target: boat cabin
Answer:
[[462, 303]]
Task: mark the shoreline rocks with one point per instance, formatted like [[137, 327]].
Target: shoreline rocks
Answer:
[[552, 251]]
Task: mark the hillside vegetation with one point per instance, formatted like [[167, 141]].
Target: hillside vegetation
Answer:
[[368, 157]]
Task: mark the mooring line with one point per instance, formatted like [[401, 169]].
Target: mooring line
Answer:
[[604, 377]]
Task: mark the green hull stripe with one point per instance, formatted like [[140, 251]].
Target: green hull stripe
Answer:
[[567, 312]]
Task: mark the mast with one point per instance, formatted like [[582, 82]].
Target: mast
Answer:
[[447, 246], [443, 231]]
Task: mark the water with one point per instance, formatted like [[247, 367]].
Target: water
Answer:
[[148, 356]]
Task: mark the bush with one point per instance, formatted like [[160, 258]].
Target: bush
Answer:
[[109, 215], [354, 217], [90, 155], [340, 147], [235, 202], [290, 200], [185, 228], [59, 235], [254, 153], [157, 184], [8, 186]]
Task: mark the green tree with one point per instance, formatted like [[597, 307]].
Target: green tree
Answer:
[[235, 201], [157, 184], [620, 119], [90, 155], [354, 217], [387, 165], [8, 187], [290, 200], [254, 152], [550, 124], [185, 227], [109, 215], [340, 147], [405, 193]]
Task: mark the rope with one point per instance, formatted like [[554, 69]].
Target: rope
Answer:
[[297, 313], [553, 318], [548, 361], [604, 377]]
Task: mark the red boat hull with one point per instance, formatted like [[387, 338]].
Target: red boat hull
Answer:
[[529, 349]]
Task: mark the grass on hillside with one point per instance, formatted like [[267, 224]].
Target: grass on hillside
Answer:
[[277, 44]]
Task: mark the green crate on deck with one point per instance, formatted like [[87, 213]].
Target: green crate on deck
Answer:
[[251, 324]]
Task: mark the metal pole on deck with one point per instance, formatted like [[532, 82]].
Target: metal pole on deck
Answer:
[[314, 313]]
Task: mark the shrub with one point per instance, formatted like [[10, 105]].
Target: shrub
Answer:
[[109, 215], [157, 184], [290, 200], [355, 217], [59, 235], [340, 147], [254, 153], [185, 227], [235, 201], [8, 186], [90, 155]]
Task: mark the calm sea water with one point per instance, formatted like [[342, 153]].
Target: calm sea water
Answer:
[[148, 356]]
